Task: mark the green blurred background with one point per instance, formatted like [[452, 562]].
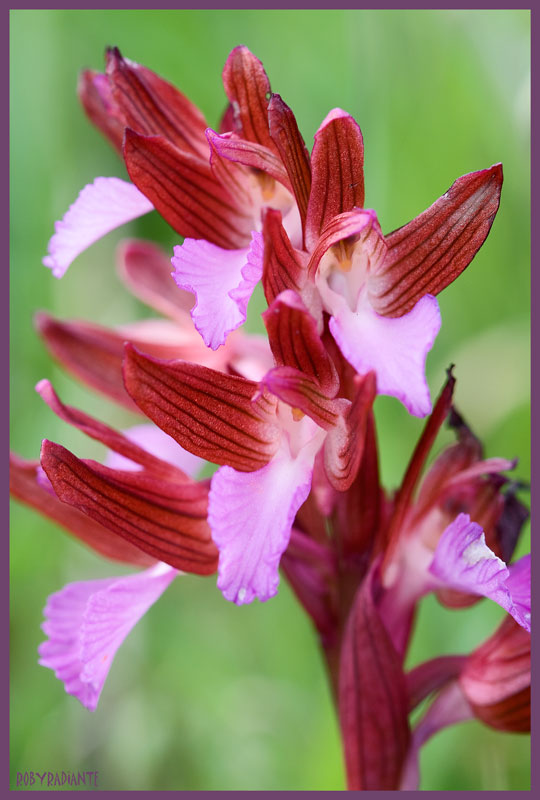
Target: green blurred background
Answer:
[[204, 695]]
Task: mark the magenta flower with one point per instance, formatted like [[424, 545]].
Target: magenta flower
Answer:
[[288, 419]]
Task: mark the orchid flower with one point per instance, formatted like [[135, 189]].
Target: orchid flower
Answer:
[[288, 419], [266, 436]]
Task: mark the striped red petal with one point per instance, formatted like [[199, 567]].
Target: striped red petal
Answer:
[[249, 154], [94, 353], [248, 89], [372, 699], [208, 413], [108, 436], [496, 679], [24, 486], [182, 187], [295, 341], [146, 270], [165, 519], [96, 98], [337, 166], [283, 266], [344, 445], [292, 149], [152, 106], [426, 255]]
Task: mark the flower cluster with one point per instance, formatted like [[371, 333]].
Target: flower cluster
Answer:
[[288, 418]]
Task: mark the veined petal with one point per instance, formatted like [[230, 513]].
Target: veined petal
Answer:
[[337, 164], [146, 270], [292, 149], [282, 267], [154, 441], [165, 519], [251, 515], [464, 562], [87, 622], [395, 349], [249, 154], [426, 255], [207, 412], [100, 207], [222, 281], [295, 341], [151, 105], [184, 191], [94, 353], [126, 448], [248, 88], [27, 484], [97, 100]]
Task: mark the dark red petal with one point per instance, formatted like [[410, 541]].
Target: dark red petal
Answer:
[[295, 341], [426, 255], [416, 464], [497, 678], [108, 436], [429, 676], [509, 525], [304, 393], [94, 354], [24, 486], [165, 519], [337, 166], [373, 701], [98, 103], [292, 149], [146, 269], [360, 227], [344, 445], [152, 106], [249, 154], [248, 89], [206, 412], [359, 511], [282, 267], [311, 570], [183, 189]]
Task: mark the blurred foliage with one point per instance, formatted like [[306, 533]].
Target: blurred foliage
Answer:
[[204, 695]]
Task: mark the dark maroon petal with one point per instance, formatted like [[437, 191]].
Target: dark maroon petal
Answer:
[[206, 412], [248, 89], [165, 519], [282, 265], [249, 154], [108, 436], [94, 353], [311, 570], [292, 149], [432, 675], [359, 511], [426, 255], [337, 166], [359, 227], [344, 445], [98, 103], [183, 189], [416, 464], [509, 526], [24, 486], [146, 270], [496, 679], [295, 341], [304, 393], [152, 106], [373, 701]]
